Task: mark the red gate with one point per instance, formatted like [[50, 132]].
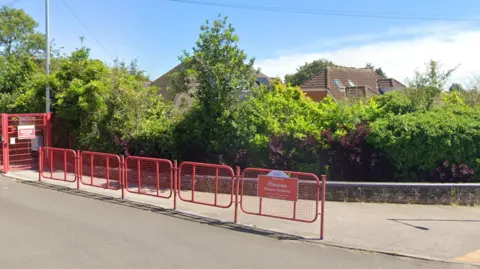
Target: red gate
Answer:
[[284, 195], [22, 135]]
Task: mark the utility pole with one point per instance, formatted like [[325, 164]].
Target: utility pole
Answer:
[[47, 51]]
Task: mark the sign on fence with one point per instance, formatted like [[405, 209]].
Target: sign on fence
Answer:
[[26, 132], [278, 187]]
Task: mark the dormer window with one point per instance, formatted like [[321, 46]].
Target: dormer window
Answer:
[[339, 84]]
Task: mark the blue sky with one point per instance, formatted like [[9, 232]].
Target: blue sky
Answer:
[[155, 32]]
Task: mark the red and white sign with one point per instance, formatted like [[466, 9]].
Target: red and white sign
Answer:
[[282, 188], [26, 131]]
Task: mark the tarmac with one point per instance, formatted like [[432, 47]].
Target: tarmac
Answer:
[[437, 233]]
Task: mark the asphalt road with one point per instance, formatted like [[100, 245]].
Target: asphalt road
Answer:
[[43, 228]]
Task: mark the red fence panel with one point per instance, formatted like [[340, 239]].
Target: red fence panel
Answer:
[[287, 195], [101, 170], [206, 184], [58, 164], [149, 176]]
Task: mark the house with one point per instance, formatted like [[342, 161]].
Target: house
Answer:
[[347, 83], [185, 99]]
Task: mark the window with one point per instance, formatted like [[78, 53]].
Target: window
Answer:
[[263, 81], [351, 83], [339, 84]]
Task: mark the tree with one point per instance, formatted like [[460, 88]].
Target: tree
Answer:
[[475, 83], [379, 70], [434, 76], [456, 87], [307, 71], [17, 33], [215, 74], [216, 67], [20, 47]]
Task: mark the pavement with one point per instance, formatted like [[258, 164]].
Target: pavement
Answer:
[[44, 228], [441, 233]]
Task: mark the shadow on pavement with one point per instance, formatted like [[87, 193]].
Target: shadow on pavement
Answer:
[[441, 220], [168, 212], [404, 222]]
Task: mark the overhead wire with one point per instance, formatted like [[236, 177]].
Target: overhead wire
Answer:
[[86, 28], [324, 12]]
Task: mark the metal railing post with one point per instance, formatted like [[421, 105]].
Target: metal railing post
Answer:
[[76, 166], [40, 165], [322, 217], [122, 175], [175, 178], [236, 193], [79, 168]]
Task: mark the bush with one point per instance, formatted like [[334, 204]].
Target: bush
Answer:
[[417, 143]]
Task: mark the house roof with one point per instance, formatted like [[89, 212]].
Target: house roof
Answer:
[[358, 76], [163, 82], [389, 84], [341, 79]]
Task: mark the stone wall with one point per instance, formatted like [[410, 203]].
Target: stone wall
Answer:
[[402, 193]]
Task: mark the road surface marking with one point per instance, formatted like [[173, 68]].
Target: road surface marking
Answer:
[[472, 257]]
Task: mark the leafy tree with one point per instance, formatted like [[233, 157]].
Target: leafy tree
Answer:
[[132, 68], [379, 70], [475, 83], [456, 87], [307, 71], [17, 33], [433, 76], [15, 70], [215, 74]]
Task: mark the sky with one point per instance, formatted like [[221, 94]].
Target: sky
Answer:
[[156, 31]]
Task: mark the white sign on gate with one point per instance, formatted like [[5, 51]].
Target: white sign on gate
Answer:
[[26, 132]]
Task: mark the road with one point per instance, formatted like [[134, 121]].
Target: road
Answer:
[[44, 228]]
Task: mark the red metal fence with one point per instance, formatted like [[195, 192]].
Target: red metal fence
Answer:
[[101, 170], [206, 184], [58, 164], [149, 176], [294, 196], [290, 196]]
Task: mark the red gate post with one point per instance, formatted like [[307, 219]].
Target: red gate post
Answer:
[[49, 129], [40, 164], [122, 175], [76, 169], [322, 217], [79, 170], [5, 143], [175, 178], [236, 194]]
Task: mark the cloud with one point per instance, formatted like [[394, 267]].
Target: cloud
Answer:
[[398, 51]]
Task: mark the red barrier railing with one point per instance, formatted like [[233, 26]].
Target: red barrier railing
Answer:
[[284, 195], [206, 184], [101, 170], [149, 176], [57, 164]]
